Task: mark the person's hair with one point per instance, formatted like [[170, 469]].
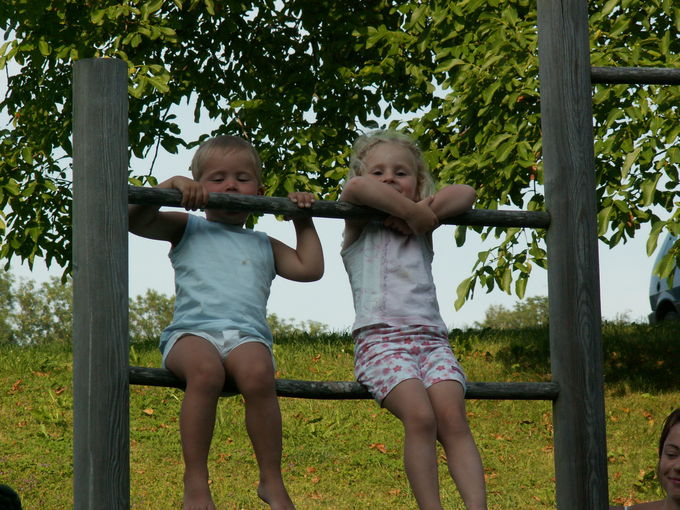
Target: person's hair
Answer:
[[363, 144], [671, 421], [224, 144], [9, 499]]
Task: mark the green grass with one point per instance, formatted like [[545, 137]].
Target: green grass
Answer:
[[344, 454]]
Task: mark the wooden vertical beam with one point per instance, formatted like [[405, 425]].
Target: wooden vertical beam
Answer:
[[101, 439], [573, 273]]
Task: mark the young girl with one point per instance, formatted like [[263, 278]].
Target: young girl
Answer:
[[402, 351], [223, 275]]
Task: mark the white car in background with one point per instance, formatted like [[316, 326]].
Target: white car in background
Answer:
[[665, 301]]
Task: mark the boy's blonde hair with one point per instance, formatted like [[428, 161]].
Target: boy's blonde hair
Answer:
[[363, 144], [224, 144]]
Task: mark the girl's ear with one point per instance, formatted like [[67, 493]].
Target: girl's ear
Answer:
[[260, 190]]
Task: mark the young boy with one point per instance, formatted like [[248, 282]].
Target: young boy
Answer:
[[223, 274]]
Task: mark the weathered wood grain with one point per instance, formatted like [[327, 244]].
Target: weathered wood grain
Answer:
[[573, 272], [101, 437], [636, 75]]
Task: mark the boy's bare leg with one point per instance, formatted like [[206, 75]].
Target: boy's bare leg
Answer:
[[453, 431], [252, 369], [196, 361], [409, 402]]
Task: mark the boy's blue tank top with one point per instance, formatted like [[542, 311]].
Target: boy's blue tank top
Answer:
[[223, 275]]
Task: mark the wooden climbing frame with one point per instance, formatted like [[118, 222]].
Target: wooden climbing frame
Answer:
[[100, 277]]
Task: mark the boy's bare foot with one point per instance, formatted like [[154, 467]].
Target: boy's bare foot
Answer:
[[276, 497]]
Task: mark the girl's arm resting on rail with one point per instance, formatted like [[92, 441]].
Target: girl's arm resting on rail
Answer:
[[452, 200], [373, 193]]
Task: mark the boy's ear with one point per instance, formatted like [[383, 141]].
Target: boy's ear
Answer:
[[260, 190]]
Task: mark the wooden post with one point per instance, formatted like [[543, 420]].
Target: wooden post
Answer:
[[573, 274], [101, 426]]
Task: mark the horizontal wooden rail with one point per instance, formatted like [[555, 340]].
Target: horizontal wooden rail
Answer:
[[636, 75], [331, 209], [345, 390]]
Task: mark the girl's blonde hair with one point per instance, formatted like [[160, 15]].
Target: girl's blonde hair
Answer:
[[223, 144], [363, 144]]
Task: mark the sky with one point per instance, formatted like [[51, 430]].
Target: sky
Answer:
[[624, 271]]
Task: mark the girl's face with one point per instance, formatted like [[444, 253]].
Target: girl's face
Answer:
[[669, 464], [394, 165]]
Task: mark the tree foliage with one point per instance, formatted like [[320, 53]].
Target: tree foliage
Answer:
[[302, 78]]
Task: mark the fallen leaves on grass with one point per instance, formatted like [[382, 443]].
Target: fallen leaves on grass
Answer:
[[312, 470], [16, 385], [378, 446]]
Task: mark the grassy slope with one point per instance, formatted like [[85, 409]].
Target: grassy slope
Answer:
[[344, 455]]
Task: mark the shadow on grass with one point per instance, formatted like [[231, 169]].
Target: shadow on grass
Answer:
[[642, 357], [637, 357]]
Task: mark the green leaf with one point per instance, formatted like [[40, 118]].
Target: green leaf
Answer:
[[152, 6], [506, 280], [603, 220], [27, 155], [44, 48], [648, 188], [462, 292], [160, 83], [521, 287], [653, 238], [666, 265], [460, 234], [12, 187], [97, 17], [630, 159], [448, 64]]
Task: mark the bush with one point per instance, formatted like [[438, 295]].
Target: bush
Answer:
[[6, 306], [149, 315], [529, 313], [42, 314]]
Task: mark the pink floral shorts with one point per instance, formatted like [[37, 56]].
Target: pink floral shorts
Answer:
[[384, 356]]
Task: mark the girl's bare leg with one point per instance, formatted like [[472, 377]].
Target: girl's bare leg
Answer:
[[252, 369], [410, 402], [453, 432], [196, 361]]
